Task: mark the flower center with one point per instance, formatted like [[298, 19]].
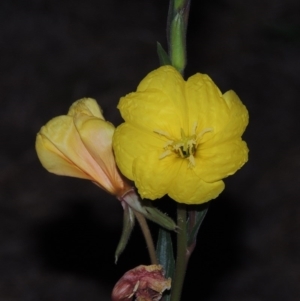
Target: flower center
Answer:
[[185, 147]]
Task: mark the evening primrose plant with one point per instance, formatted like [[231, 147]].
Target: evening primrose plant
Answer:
[[180, 137]]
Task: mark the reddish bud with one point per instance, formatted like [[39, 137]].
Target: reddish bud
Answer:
[[145, 283]]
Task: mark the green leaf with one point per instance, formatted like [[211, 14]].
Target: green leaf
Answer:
[[195, 220], [162, 55], [128, 224], [165, 256]]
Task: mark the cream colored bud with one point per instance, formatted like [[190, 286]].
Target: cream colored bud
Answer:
[[79, 145]]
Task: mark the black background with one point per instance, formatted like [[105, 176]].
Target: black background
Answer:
[[58, 234]]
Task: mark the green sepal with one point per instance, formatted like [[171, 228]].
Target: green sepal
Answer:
[[196, 216], [165, 255], [128, 224], [157, 216], [164, 58], [146, 208]]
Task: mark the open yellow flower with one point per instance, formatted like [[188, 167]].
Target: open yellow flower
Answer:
[[79, 145], [180, 138]]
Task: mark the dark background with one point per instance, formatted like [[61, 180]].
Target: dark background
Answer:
[[58, 234]]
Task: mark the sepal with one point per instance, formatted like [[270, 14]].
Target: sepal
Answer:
[[146, 208], [128, 224], [163, 57]]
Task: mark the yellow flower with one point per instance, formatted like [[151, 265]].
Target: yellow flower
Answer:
[[79, 145], [180, 138]]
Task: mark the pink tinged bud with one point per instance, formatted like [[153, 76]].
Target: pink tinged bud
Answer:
[[144, 283], [79, 145]]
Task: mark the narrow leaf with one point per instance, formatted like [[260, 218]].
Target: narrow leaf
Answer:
[[128, 224], [162, 55]]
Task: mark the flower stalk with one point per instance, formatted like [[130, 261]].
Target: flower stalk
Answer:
[[176, 30], [181, 258], [147, 235]]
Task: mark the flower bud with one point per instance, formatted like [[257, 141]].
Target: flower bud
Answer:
[[145, 283], [79, 145]]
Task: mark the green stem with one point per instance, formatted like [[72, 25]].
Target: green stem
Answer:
[[181, 258], [176, 32], [147, 235]]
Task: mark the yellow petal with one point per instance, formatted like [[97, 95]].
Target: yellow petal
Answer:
[[86, 106], [239, 116], [152, 110], [169, 81], [153, 176], [96, 135], [220, 160], [206, 106], [187, 188], [61, 132], [235, 125], [55, 161], [130, 142]]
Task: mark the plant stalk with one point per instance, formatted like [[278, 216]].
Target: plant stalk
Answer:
[[176, 32], [181, 258], [147, 235]]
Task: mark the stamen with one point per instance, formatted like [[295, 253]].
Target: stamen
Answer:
[[201, 134], [191, 159], [169, 142], [181, 153], [165, 154], [195, 128], [185, 147], [163, 133]]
